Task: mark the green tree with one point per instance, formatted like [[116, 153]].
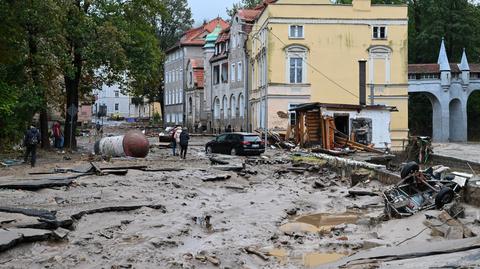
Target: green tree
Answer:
[[177, 20], [108, 41]]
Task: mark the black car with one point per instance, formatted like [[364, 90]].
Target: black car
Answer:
[[236, 144]]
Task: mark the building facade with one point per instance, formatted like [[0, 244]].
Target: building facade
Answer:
[[195, 115], [190, 46], [308, 51], [121, 105]]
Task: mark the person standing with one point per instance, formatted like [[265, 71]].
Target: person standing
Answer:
[[184, 137], [30, 141], [176, 139], [57, 135]]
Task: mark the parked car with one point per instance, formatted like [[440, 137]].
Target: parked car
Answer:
[[422, 190], [166, 135], [236, 144]]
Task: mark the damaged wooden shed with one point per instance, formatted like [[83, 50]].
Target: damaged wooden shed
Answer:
[[340, 125]]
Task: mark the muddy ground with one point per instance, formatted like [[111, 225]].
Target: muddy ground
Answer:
[[269, 217]]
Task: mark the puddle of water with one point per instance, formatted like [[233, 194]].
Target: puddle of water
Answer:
[[311, 260], [321, 222]]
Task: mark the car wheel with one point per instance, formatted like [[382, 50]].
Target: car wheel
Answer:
[[208, 150], [408, 169], [233, 151], [444, 196]]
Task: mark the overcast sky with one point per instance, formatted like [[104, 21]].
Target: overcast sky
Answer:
[[209, 9]]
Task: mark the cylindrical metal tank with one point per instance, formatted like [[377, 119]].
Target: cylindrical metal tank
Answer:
[[133, 144]]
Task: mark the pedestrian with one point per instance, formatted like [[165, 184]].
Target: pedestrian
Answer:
[[98, 131], [176, 139], [57, 135], [30, 141], [229, 129], [184, 137]]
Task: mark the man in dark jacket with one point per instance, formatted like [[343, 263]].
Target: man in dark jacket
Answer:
[[184, 137], [30, 141]]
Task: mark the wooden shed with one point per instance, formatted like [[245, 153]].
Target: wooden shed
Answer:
[[328, 125]]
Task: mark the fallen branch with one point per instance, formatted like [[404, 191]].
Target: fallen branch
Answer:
[[252, 250]]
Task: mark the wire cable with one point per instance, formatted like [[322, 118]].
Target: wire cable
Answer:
[[314, 68]]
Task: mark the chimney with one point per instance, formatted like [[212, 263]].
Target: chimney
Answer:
[[362, 64]]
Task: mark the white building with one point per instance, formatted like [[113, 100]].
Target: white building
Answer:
[[119, 104]]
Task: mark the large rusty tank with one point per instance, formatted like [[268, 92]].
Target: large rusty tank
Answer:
[[132, 144]]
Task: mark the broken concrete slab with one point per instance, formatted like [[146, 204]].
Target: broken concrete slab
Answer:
[[11, 237], [79, 215], [407, 251], [41, 213]]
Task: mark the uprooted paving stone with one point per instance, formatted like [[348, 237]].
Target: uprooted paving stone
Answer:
[[11, 237]]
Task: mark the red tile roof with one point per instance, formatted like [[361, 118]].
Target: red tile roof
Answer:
[[249, 14], [196, 36], [435, 68], [224, 35]]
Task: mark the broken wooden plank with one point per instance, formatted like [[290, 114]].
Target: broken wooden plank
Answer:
[[252, 250], [362, 193], [216, 178], [163, 169], [115, 172]]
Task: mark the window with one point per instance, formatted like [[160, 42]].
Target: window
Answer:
[[292, 114], [116, 107], [232, 73], [216, 109], [216, 75], [379, 32], [180, 117], [190, 106], [180, 96], [296, 70], [239, 71], [296, 31], [221, 138], [167, 118], [233, 107], [224, 72], [225, 108], [241, 105], [117, 94], [180, 74], [190, 78]]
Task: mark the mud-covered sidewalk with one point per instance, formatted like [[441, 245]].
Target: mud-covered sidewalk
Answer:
[[275, 211]]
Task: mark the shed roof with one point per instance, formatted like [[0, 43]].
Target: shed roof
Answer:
[[310, 106]]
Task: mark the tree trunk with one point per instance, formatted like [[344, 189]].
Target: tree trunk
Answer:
[[33, 51], [71, 87], [44, 128]]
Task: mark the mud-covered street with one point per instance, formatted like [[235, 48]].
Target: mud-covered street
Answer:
[[281, 210]]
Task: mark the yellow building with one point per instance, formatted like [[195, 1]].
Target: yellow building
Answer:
[[308, 51]]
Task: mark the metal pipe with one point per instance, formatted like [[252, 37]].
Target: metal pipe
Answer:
[[133, 144], [362, 64]]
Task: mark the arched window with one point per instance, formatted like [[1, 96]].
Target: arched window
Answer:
[[379, 64], [190, 105], [233, 106], [216, 109], [241, 106], [296, 67], [225, 107]]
